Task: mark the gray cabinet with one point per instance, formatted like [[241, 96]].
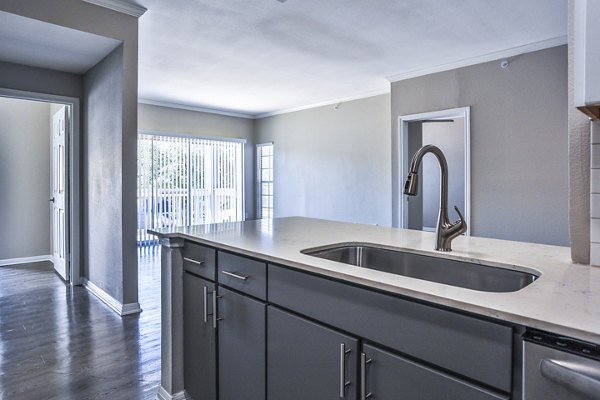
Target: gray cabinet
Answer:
[[284, 334], [242, 335], [306, 360], [387, 376], [471, 347], [199, 339]]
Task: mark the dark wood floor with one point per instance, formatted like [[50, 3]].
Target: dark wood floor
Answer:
[[61, 342]]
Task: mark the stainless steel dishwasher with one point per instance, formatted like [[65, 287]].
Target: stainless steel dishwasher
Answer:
[[559, 368]]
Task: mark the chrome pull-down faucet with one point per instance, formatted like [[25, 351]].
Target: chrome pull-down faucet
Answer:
[[446, 231]]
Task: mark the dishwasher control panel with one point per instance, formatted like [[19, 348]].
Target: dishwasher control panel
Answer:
[[562, 343]]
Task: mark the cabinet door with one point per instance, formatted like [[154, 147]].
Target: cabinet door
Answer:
[[387, 376], [199, 339], [242, 335], [308, 361]]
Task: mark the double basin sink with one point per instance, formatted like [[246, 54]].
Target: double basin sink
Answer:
[[441, 270]]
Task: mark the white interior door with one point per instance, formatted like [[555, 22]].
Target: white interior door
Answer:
[[59, 219]]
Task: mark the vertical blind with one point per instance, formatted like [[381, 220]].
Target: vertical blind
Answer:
[[187, 181]]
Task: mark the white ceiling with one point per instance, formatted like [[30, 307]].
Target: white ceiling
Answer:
[[40, 44], [262, 56]]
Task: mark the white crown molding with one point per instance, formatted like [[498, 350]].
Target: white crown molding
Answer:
[[195, 108], [363, 95], [122, 6], [114, 304], [512, 52], [25, 260]]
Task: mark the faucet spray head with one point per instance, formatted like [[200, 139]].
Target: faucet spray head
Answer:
[[412, 184]]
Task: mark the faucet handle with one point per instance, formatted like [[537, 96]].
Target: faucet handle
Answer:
[[460, 216], [461, 221]]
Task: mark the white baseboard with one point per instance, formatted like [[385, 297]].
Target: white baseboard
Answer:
[[131, 308], [164, 395], [114, 304], [25, 260]]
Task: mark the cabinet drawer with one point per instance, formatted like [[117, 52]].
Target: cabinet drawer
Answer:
[[199, 260], [243, 274], [390, 377], [469, 346]]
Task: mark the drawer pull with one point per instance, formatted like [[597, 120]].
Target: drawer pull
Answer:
[[193, 261], [236, 276], [205, 296], [364, 395], [343, 381]]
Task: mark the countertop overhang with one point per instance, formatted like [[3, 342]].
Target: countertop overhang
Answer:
[[565, 299]]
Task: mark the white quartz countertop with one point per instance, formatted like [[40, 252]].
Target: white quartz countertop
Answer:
[[565, 299]]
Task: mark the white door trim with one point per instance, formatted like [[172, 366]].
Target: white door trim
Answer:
[[74, 167], [403, 156]]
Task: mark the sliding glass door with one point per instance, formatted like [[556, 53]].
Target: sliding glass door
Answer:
[[187, 181]]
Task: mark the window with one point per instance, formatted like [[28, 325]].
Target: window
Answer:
[[187, 181], [264, 178]]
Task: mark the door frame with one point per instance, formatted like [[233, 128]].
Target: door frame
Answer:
[[401, 170], [73, 171]]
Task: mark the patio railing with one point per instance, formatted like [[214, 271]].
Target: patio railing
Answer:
[[170, 208]]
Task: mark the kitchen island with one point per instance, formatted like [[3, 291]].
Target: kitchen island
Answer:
[[470, 339]]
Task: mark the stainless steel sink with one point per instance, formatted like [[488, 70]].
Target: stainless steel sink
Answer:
[[441, 270]]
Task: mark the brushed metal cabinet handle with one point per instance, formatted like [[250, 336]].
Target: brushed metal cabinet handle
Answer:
[[233, 275], [193, 261], [364, 395], [343, 381], [205, 299]]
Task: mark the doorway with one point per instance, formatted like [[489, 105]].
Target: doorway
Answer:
[[40, 182], [450, 131]]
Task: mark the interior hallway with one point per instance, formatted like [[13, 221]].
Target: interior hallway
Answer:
[[61, 342]]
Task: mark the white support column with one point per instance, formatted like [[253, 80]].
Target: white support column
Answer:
[[171, 351], [595, 195], [579, 163]]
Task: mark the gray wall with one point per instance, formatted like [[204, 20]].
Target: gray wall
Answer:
[[87, 17], [40, 80], [518, 141], [423, 209], [414, 209], [102, 174], [195, 123], [449, 137], [24, 178], [332, 164]]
